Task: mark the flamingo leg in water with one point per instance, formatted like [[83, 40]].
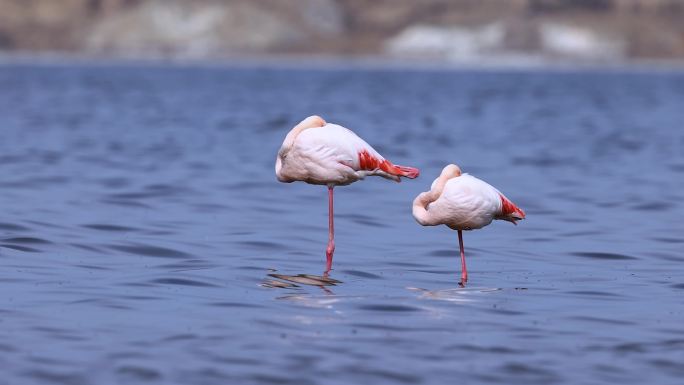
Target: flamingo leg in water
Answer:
[[331, 234], [464, 271]]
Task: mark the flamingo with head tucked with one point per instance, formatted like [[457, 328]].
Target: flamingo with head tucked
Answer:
[[463, 202], [328, 154]]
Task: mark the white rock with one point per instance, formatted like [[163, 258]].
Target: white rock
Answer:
[[453, 43], [578, 42], [211, 28]]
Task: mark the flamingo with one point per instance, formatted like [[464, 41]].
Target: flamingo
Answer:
[[463, 202], [321, 153]]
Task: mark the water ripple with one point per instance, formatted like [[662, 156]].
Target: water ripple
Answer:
[[654, 206], [600, 320], [128, 373], [109, 227], [20, 248], [27, 241], [182, 282], [592, 293], [57, 377], [388, 308], [150, 251], [604, 256], [361, 274], [12, 227]]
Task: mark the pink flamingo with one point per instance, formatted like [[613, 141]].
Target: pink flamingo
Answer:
[[322, 153], [463, 202]]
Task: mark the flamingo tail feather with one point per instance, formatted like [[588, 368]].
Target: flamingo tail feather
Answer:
[[405, 171]]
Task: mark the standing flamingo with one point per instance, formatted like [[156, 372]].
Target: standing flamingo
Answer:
[[322, 153], [463, 202]]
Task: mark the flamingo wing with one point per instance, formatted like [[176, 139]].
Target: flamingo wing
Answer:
[[466, 203], [342, 145]]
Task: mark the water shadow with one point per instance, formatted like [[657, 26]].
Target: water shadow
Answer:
[[307, 279], [460, 294], [284, 281]]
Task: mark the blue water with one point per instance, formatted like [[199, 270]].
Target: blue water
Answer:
[[141, 218]]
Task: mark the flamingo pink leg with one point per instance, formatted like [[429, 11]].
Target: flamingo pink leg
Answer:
[[464, 271], [331, 235]]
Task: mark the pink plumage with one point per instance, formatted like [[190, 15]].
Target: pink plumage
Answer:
[[323, 153], [328, 154], [463, 202]]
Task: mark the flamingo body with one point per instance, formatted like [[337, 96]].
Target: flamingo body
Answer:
[[463, 202], [317, 152], [468, 203], [329, 154]]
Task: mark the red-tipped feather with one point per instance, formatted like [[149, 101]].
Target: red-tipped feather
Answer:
[[509, 211], [393, 169], [370, 163], [409, 172]]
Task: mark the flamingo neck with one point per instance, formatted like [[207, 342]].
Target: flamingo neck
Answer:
[[420, 209], [420, 205], [310, 122]]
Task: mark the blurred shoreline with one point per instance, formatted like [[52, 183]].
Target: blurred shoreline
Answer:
[[511, 33], [338, 62]]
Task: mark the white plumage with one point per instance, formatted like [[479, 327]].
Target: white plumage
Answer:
[[323, 153], [328, 154], [463, 202]]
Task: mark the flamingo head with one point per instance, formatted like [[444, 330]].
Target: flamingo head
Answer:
[[315, 121], [282, 177], [448, 172], [310, 122], [451, 171]]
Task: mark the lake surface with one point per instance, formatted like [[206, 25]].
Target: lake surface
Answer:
[[141, 219]]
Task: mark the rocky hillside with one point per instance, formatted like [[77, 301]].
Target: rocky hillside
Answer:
[[458, 30]]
